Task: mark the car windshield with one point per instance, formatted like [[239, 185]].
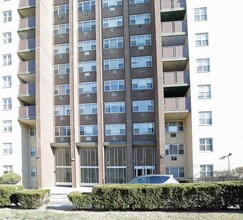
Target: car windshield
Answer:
[[151, 180]]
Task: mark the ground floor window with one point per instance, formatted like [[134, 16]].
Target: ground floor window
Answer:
[[89, 165], [144, 160], [206, 171], [177, 172], [115, 159], [63, 166]]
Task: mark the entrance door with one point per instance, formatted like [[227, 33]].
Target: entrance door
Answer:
[[143, 170]]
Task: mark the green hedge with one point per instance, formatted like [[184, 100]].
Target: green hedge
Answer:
[[5, 192], [10, 178], [199, 196], [30, 199]]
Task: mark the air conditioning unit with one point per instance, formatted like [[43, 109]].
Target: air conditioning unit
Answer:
[[143, 114], [112, 9], [141, 48], [61, 118], [61, 97], [143, 137], [86, 53], [114, 72], [174, 158], [114, 94], [61, 76], [86, 74], [114, 138], [88, 138], [62, 139], [87, 96], [87, 117], [142, 92], [172, 134]]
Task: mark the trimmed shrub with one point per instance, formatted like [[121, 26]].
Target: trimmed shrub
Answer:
[[81, 200], [5, 192], [10, 178], [30, 199]]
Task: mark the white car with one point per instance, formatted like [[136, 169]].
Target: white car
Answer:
[[154, 179]]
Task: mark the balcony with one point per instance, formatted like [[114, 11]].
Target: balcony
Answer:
[[26, 28], [26, 8], [174, 28], [177, 107], [175, 58], [27, 71], [27, 115], [27, 93], [26, 49], [176, 78], [172, 10]]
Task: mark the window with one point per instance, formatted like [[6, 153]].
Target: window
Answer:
[[86, 6], [7, 82], [7, 168], [204, 92], [114, 85], [7, 104], [7, 37], [62, 131], [143, 128], [61, 9], [114, 107], [140, 40], [174, 149], [7, 148], [87, 87], [111, 3], [206, 144], [88, 130], [61, 110], [142, 83], [201, 39], [7, 16], [206, 171], [173, 126], [140, 19], [63, 89], [87, 45], [7, 126], [87, 66], [89, 108], [200, 14], [115, 129], [205, 118], [134, 2], [142, 61], [61, 68], [177, 172], [113, 64], [7, 59], [33, 171], [143, 106], [61, 29], [112, 22], [32, 151], [111, 43], [203, 65], [61, 49], [86, 25], [32, 131]]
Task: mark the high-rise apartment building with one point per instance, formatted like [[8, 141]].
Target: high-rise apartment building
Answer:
[[101, 91]]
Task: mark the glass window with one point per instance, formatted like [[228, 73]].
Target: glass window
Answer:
[[114, 107], [62, 131], [206, 144], [7, 168], [114, 85], [140, 40], [7, 104], [205, 118], [133, 2], [32, 151], [61, 110], [173, 126], [87, 87], [61, 29], [200, 14], [177, 172], [88, 130], [87, 66], [7, 148], [204, 92], [7, 59], [206, 171], [115, 129], [87, 45], [61, 68], [33, 171], [7, 16], [143, 128], [143, 106], [111, 3], [61, 49], [7, 126], [110, 43], [86, 6], [86, 25], [201, 39], [61, 9], [203, 65], [63, 89], [174, 149], [112, 22], [113, 64], [142, 83], [7, 37], [32, 131], [140, 19], [142, 61], [88, 108], [7, 81]]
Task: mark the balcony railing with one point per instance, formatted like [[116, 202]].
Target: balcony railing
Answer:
[[177, 104], [27, 23], [175, 52], [172, 4], [26, 3], [28, 44], [179, 77], [27, 66], [27, 89], [173, 27], [27, 112]]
